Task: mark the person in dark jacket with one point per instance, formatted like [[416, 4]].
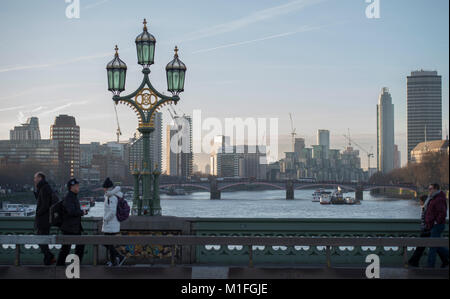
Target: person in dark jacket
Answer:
[[435, 215], [71, 221], [43, 195], [424, 233]]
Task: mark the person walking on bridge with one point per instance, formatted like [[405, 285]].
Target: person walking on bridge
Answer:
[[111, 225], [424, 233], [71, 221], [43, 195], [435, 215]]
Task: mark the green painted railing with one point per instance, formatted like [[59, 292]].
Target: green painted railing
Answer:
[[238, 255], [304, 228], [31, 254]]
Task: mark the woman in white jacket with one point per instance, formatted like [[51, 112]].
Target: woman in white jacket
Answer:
[[111, 226]]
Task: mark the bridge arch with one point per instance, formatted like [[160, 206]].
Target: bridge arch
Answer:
[[316, 185], [127, 187], [251, 183], [185, 185], [121, 187], [410, 188]]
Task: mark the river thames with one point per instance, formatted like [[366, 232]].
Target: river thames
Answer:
[[272, 204]]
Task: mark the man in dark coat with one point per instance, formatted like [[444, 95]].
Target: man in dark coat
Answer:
[[435, 215], [71, 222], [43, 195]]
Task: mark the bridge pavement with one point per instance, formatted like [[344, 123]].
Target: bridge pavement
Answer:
[[218, 272]]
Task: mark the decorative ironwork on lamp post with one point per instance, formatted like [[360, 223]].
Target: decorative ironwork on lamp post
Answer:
[[145, 102]]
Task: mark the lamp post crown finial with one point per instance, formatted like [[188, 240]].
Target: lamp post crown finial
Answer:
[[176, 51], [145, 24], [117, 50]]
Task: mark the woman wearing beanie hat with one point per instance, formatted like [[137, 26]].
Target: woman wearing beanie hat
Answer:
[[111, 225], [108, 183]]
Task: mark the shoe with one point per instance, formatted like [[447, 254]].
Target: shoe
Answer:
[[414, 265], [444, 264], [53, 261], [49, 261], [109, 264], [120, 260]]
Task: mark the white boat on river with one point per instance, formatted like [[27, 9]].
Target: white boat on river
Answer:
[[17, 210]]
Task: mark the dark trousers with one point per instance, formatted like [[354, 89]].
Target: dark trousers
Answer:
[[111, 250], [436, 232], [418, 253], [48, 256], [65, 250]]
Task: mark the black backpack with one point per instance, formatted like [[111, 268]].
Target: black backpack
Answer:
[[56, 211], [123, 209]]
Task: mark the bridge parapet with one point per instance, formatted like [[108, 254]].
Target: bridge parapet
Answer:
[[305, 228], [235, 254], [248, 242]]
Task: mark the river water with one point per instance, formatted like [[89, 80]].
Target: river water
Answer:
[[272, 204]]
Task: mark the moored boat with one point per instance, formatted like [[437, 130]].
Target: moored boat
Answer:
[[325, 198], [317, 194], [17, 210], [352, 201], [337, 198]]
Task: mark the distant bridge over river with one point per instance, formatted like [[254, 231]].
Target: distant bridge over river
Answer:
[[215, 187]]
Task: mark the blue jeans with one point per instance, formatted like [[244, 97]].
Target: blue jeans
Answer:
[[436, 232]]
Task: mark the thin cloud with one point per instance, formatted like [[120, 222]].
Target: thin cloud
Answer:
[[37, 109], [55, 109], [37, 90], [22, 114], [69, 104], [23, 67], [304, 29], [256, 17], [95, 4], [11, 108], [68, 61]]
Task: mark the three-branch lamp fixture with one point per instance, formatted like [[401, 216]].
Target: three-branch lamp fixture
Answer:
[[145, 46]]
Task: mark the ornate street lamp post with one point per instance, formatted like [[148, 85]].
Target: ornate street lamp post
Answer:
[[146, 101]]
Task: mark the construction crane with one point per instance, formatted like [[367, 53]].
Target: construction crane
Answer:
[[118, 132], [293, 133], [369, 154]]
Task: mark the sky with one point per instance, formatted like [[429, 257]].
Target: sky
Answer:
[[323, 61]]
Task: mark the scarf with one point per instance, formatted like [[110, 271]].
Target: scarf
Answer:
[[427, 202]]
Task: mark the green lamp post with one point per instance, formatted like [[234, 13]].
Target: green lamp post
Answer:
[[146, 101]]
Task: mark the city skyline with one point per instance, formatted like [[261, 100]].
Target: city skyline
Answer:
[[200, 160], [298, 58]]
